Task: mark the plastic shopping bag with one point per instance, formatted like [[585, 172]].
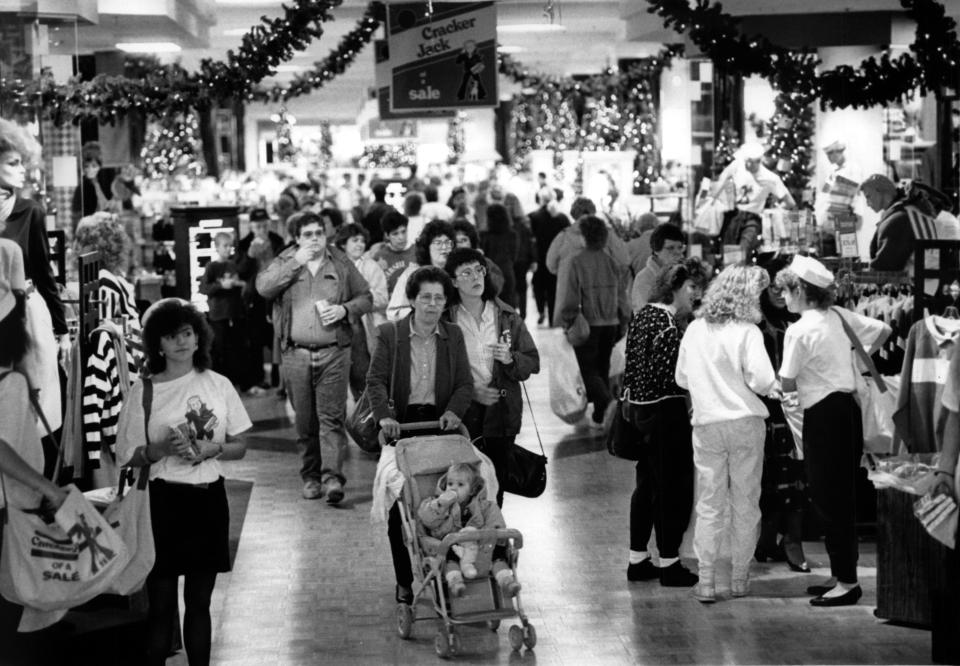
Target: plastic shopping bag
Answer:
[[568, 394], [709, 218], [61, 564]]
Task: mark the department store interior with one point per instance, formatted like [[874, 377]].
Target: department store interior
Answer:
[[615, 164]]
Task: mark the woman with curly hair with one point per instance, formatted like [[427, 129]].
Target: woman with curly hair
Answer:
[[180, 421], [723, 363], [663, 497], [110, 345], [23, 221], [433, 247]]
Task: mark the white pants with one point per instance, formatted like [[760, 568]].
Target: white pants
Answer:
[[728, 457]]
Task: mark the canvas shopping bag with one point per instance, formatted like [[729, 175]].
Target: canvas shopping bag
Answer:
[[129, 515], [52, 566]]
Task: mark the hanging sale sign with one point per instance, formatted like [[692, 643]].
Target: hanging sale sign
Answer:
[[446, 59]]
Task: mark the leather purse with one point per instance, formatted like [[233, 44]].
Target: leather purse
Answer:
[[526, 473], [579, 331], [361, 425]]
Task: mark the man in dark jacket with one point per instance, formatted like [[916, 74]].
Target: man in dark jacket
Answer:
[[900, 225], [376, 211], [319, 291], [545, 227], [255, 252]]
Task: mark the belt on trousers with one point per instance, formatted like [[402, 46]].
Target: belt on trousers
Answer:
[[315, 347], [197, 486]]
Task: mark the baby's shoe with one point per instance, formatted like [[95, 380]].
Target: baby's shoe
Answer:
[[468, 569], [508, 584], [455, 583]]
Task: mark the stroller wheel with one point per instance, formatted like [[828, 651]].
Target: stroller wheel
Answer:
[[456, 646], [493, 625], [529, 636], [442, 644], [516, 637], [404, 620]]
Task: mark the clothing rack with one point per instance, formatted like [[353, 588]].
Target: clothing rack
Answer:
[[937, 260], [88, 311], [57, 241]]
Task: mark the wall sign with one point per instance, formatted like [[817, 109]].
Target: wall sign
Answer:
[[443, 60]]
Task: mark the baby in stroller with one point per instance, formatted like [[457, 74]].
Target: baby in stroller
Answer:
[[460, 505]]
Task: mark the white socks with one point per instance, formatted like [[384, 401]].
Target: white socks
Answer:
[[638, 556]]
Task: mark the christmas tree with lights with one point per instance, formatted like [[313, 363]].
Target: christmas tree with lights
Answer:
[[173, 147], [790, 147], [286, 150]]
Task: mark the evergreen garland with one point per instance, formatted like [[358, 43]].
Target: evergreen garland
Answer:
[[930, 66], [166, 90]]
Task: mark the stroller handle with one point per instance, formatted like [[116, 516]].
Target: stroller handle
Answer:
[[430, 425]]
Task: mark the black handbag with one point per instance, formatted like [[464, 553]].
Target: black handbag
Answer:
[[361, 425], [631, 429], [526, 473]]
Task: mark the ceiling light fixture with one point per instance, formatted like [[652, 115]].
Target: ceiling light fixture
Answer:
[[521, 28], [149, 47]]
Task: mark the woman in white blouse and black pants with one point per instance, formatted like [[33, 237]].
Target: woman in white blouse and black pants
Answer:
[[818, 371]]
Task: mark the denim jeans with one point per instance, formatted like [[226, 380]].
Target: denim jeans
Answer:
[[316, 383]]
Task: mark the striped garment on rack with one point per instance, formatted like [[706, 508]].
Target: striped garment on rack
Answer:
[[924, 227], [102, 390]]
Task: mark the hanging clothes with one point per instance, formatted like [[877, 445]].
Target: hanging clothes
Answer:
[[920, 417], [116, 351]]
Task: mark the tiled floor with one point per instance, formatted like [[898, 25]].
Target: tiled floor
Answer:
[[313, 584]]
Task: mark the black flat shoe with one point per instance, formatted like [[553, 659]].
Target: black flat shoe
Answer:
[[819, 590], [803, 567], [849, 598], [404, 595]]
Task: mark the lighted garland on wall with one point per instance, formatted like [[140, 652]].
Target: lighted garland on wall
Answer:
[[611, 110], [330, 67], [172, 90], [877, 81]]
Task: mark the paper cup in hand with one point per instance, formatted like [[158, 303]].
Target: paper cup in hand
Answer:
[[322, 305]]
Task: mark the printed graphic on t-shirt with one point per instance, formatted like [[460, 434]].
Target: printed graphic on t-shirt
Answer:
[[201, 418]]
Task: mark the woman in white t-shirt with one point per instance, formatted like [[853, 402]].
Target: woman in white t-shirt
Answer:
[[195, 417], [724, 365], [818, 371], [21, 455]]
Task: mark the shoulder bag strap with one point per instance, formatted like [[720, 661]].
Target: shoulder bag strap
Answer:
[[393, 368], [147, 406], [860, 352], [533, 418]]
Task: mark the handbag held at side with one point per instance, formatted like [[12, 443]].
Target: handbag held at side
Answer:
[[361, 424], [526, 473]]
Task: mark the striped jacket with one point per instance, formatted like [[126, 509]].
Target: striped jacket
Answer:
[[901, 225], [102, 390]]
